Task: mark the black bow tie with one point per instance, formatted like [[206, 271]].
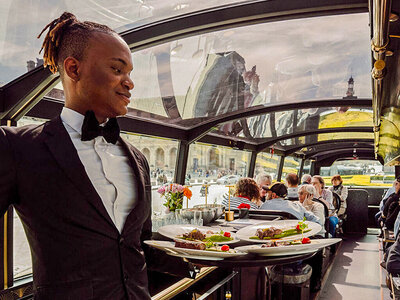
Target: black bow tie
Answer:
[[91, 128]]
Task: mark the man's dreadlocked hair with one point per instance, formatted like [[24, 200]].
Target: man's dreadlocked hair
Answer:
[[67, 37]]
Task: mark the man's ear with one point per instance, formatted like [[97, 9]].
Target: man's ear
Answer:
[[71, 68]]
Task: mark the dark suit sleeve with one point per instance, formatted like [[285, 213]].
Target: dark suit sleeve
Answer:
[[7, 173], [157, 260]]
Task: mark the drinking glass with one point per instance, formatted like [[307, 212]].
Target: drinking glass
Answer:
[[197, 218]]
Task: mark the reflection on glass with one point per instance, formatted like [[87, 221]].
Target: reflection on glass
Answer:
[[217, 166], [359, 172], [161, 156], [290, 165], [267, 163], [21, 22], [288, 61]]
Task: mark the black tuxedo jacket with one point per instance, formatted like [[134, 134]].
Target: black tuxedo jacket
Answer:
[[77, 251]]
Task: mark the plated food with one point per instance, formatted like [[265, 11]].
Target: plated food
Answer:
[[216, 236], [284, 230], [196, 250], [275, 233], [281, 248], [198, 233], [208, 246]]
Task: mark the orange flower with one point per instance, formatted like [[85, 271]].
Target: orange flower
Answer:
[[187, 193]]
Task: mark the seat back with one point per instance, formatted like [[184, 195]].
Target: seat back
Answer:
[[263, 214], [337, 201], [326, 211], [356, 211]]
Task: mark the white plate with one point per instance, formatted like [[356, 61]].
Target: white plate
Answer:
[[170, 248], [247, 232], [289, 250], [173, 231]]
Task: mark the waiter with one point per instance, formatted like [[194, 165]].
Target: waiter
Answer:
[[83, 193]]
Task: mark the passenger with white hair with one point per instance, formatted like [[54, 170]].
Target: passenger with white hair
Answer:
[[306, 195], [306, 179], [263, 180]]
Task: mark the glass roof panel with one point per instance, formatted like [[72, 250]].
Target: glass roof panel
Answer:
[[303, 140], [21, 21], [294, 121], [197, 78]]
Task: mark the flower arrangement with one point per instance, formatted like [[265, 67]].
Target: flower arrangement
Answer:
[[244, 205], [173, 194]]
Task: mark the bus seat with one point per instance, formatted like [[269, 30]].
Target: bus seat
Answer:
[[357, 211], [326, 211]]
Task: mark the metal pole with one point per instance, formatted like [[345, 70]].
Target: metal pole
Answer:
[[280, 168], [300, 173], [252, 164], [181, 162]]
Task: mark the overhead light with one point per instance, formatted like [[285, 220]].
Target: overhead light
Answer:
[[393, 17], [389, 53]]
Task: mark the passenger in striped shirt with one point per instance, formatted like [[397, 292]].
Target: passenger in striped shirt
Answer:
[[246, 191]]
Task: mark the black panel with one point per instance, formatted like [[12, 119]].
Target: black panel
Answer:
[[357, 211]]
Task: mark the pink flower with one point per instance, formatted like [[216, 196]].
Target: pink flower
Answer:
[[180, 188], [161, 190]]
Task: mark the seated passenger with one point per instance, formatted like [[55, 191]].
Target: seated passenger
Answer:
[[263, 179], [393, 259], [306, 195], [275, 201], [338, 188], [292, 181], [306, 179], [393, 212], [246, 191], [393, 198], [388, 193], [326, 196]]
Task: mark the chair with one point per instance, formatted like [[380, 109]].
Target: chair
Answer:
[[262, 214], [326, 211], [337, 201]]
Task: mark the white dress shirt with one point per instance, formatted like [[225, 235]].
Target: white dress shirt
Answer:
[[107, 167]]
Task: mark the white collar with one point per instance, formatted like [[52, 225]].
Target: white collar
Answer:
[[73, 119]]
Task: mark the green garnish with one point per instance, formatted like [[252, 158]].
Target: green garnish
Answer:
[[285, 233], [219, 238]]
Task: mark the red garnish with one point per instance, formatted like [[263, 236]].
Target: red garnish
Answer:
[[298, 227], [227, 234], [244, 205], [305, 241], [225, 248]]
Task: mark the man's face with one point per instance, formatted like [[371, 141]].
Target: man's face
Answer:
[[104, 80]]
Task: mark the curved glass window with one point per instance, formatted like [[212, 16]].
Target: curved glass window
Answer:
[[293, 121], [22, 21], [197, 78], [360, 173], [267, 163]]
